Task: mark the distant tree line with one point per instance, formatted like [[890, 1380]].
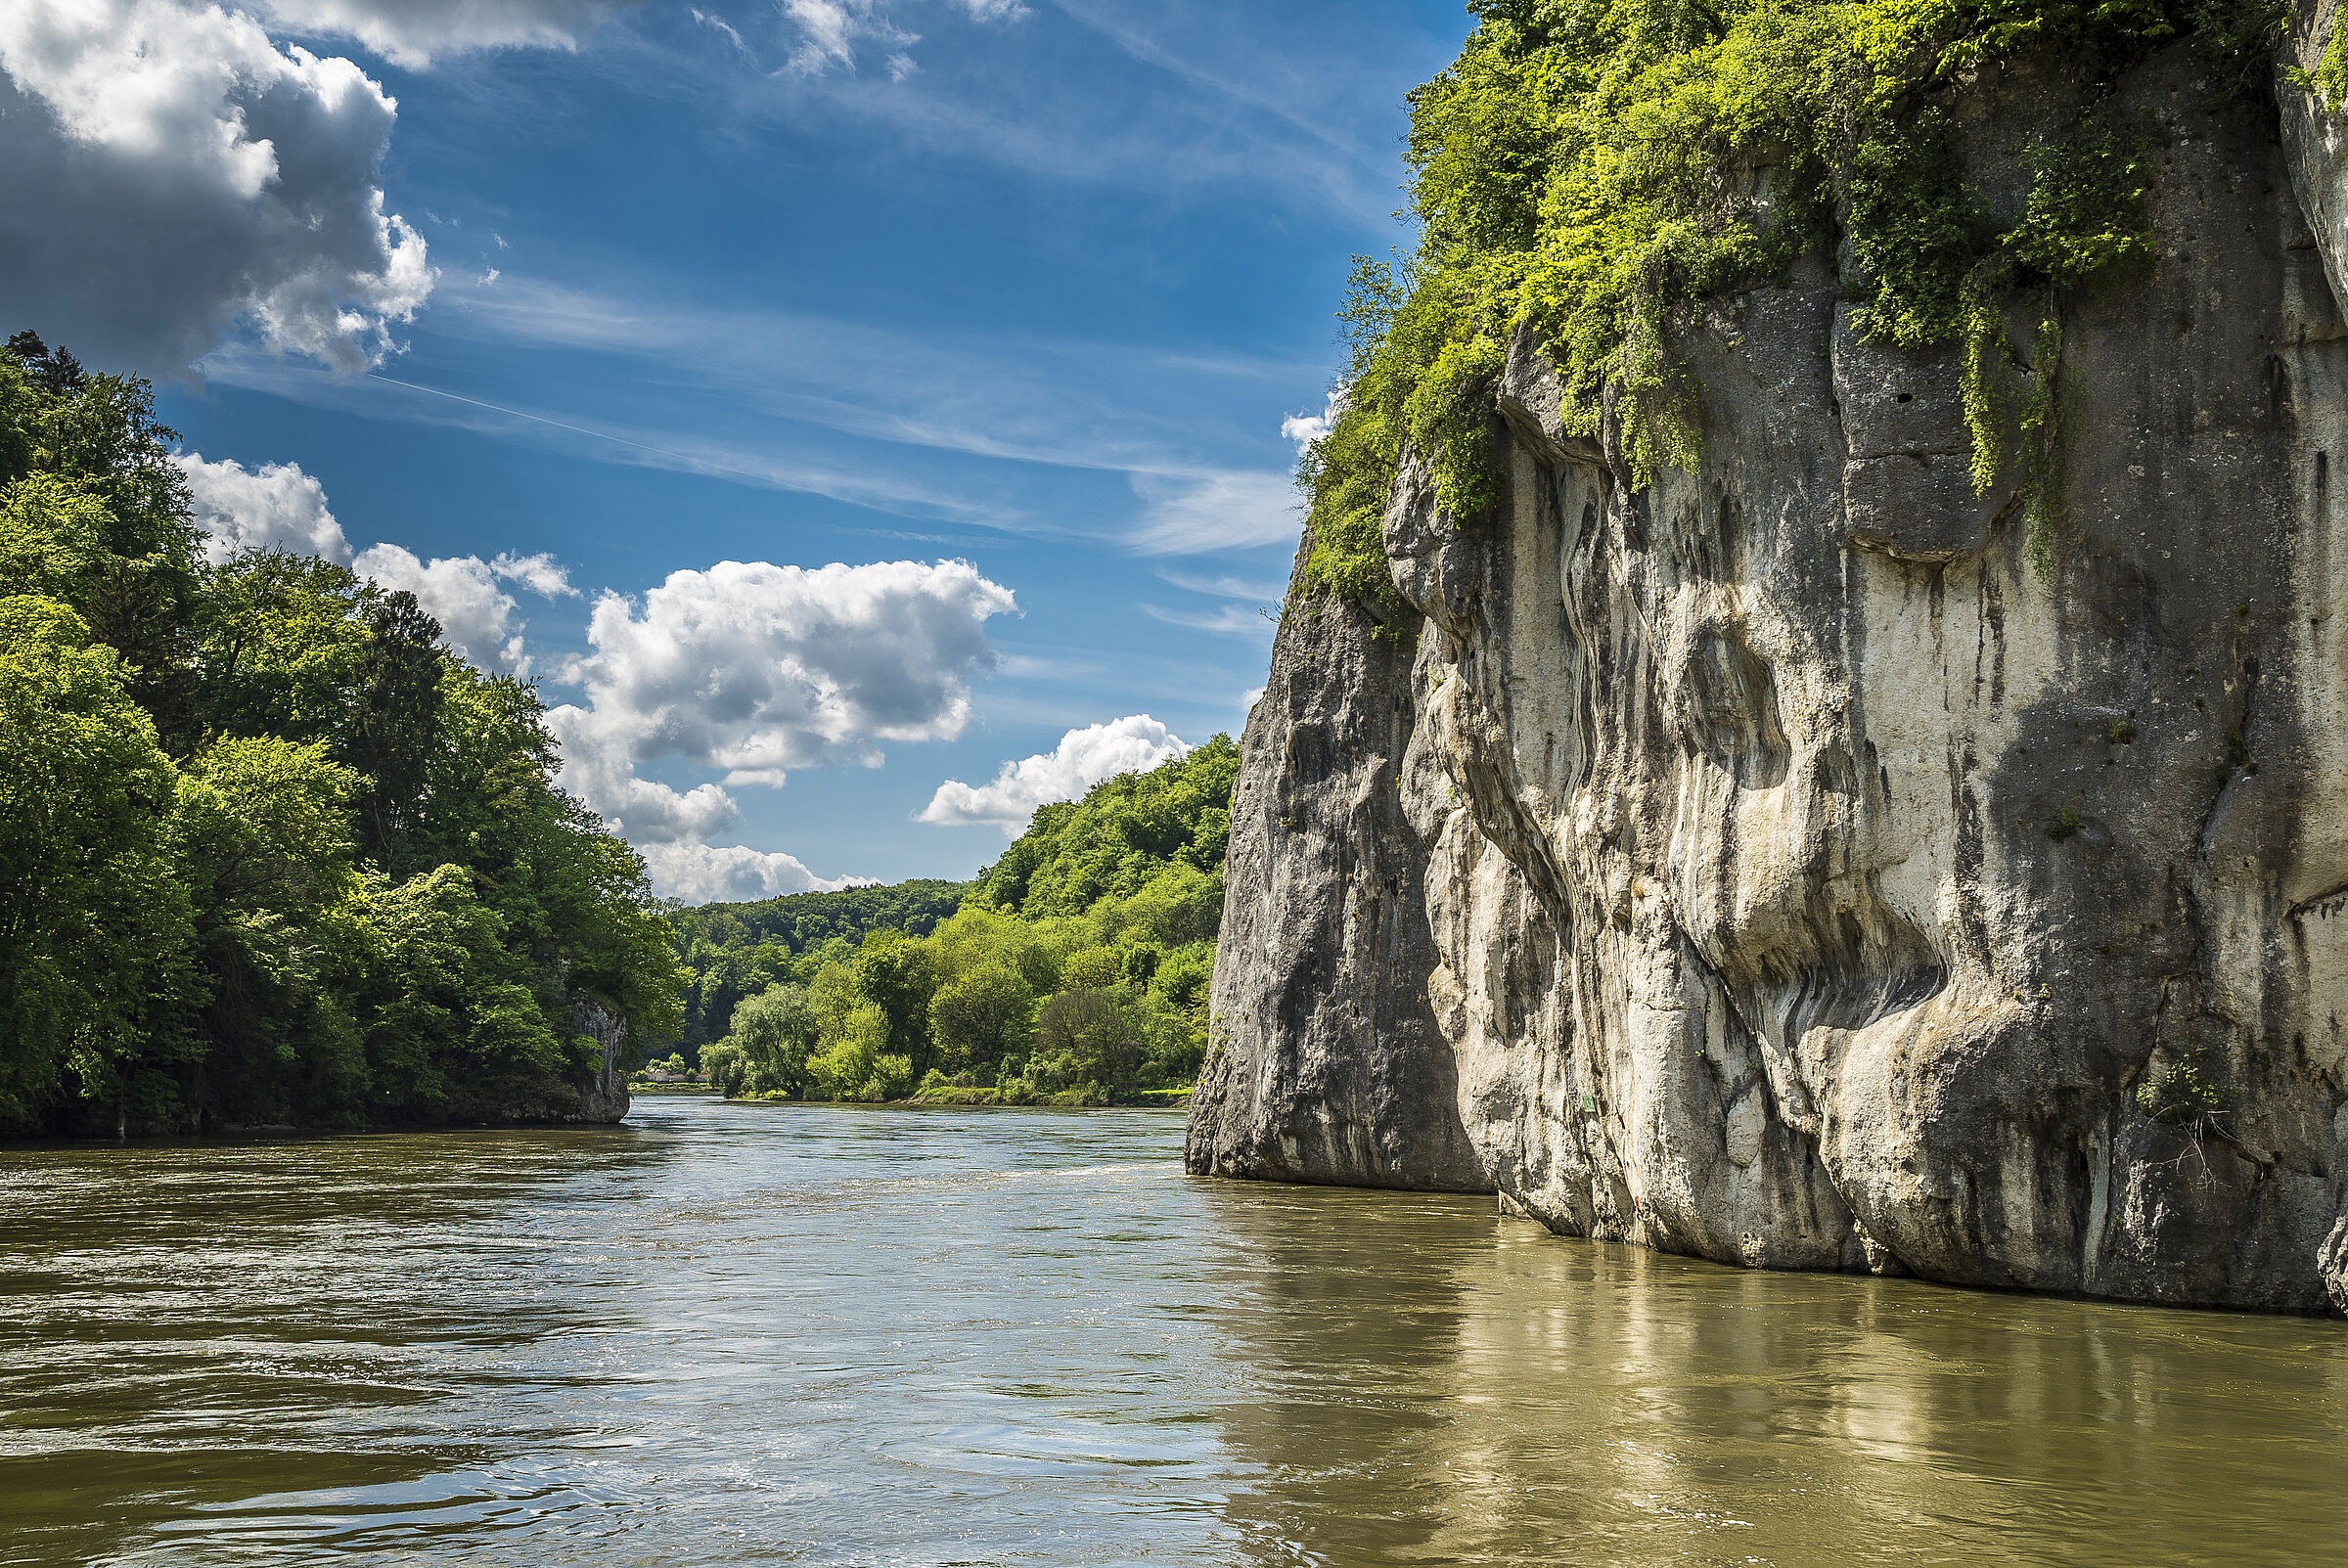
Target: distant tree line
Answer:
[[1076, 968], [270, 852], [733, 950]]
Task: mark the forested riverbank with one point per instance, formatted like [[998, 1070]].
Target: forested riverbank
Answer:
[[270, 852], [274, 856], [1073, 970]]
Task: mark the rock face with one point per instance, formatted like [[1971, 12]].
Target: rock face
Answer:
[[598, 1095], [1327, 1062], [604, 1092], [1772, 863]]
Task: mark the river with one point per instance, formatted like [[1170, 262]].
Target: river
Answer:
[[784, 1333]]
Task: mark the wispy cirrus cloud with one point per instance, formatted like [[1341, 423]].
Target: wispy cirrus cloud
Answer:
[[412, 33], [1235, 619], [1192, 514], [1203, 95], [1024, 397], [1007, 402], [1256, 591], [382, 397]]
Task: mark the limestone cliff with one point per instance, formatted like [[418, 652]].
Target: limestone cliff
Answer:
[[1772, 864]]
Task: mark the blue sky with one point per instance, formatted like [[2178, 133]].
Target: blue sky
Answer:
[[1031, 286]]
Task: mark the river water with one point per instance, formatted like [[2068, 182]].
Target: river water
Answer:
[[783, 1333]]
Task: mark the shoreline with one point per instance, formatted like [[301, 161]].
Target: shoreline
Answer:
[[971, 1099]]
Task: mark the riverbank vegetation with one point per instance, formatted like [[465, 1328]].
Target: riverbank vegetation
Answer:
[[1592, 171], [733, 950], [1073, 970], [270, 852]]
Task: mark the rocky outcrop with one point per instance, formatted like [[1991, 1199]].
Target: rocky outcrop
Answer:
[[597, 1093], [604, 1091], [1325, 1063], [1772, 864]]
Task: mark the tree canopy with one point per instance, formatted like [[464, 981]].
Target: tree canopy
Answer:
[[1073, 968], [270, 852]]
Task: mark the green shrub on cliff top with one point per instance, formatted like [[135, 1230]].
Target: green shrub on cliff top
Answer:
[[1589, 167]]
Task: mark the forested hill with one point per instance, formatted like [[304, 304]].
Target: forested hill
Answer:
[[737, 950], [268, 852], [1074, 967]]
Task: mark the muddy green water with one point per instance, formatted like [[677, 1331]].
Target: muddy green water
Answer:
[[745, 1334]]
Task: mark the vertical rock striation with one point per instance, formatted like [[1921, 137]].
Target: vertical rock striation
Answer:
[[1325, 1063], [1772, 863]]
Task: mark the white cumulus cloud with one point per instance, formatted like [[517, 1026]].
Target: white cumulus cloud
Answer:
[[275, 507], [410, 33], [1306, 428], [756, 669], [1082, 759], [541, 574], [701, 874], [463, 593], [278, 506], [167, 174]]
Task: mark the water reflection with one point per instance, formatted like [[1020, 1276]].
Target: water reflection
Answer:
[[1507, 1396], [755, 1333]]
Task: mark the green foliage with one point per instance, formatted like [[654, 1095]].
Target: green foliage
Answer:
[[94, 438], [453, 1025], [801, 921], [765, 1054], [856, 1062], [2330, 79], [1113, 899], [1345, 476], [979, 1018], [53, 539], [96, 921], [1918, 232], [737, 950], [893, 972], [2178, 1093], [1596, 170], [1093, 968], [279, 651], [1084, 1040], [1182, 976], [395, 725], [1118, 838], [355, 897]]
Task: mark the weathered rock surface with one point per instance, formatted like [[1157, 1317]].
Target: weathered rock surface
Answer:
[[1327, 1064], [603, 1094], [1772, 865]]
